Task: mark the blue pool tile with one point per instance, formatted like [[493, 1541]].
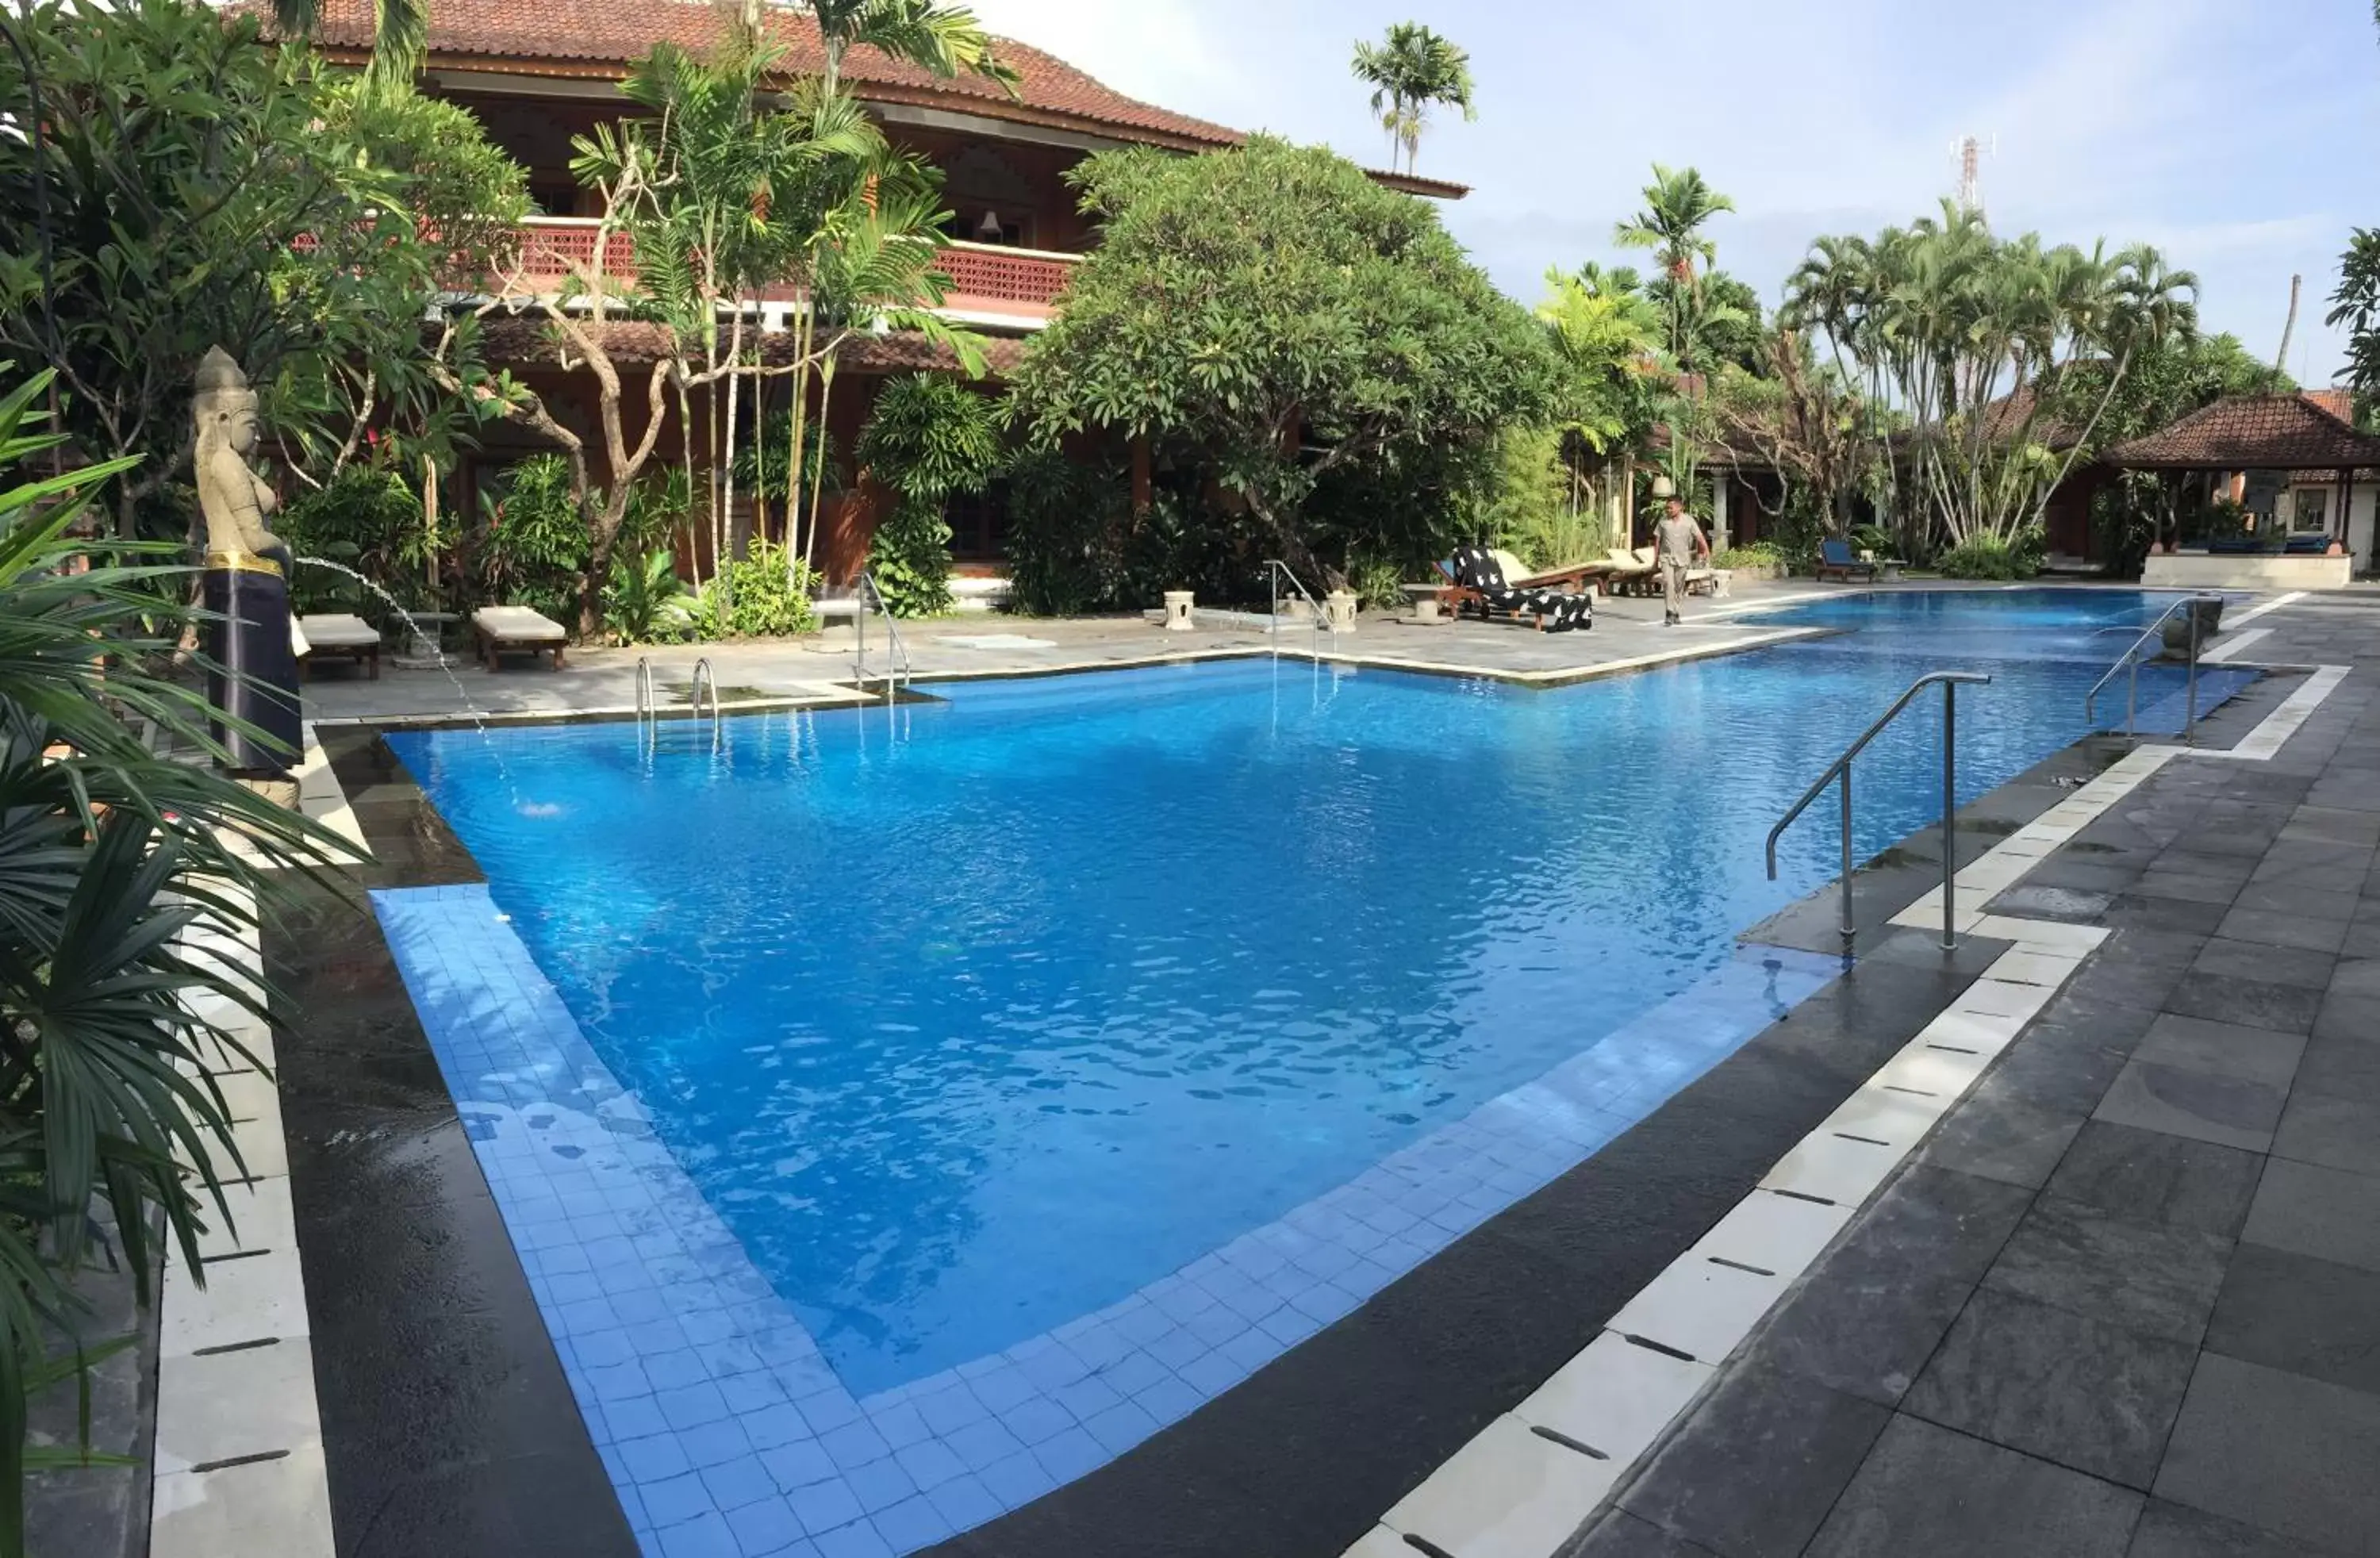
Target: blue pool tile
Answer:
[[827, 1411], [824, 1506], [1017, 1480], [1069, 1455], [1037, 1421], [676, 1499], [1178, 1348], [764, 1530], [653, 1459], [912, 1523], [772, 1426], [675, 1371], [798, 1465], [1288, 1325], [858, 1540], [736, 1483], [930, 1464], [616, 1382], [950, 1408], [979, 1445], [1085, 1398], [1216, 1326], [1120, 1427], [880, 1484], [1049, 1367], [634, 1419], [965, 1503], [715, 1443], [999, 1387], [1170, 1400], [746, 1393], [692, 1406], [1212, 1375], [855, 1445], [706, 1536]]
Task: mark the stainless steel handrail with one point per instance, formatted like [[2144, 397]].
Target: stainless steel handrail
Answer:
[[897, 667], [646, 709], [704, 677], [1275, 571], [2131, 656], [1950, 682]]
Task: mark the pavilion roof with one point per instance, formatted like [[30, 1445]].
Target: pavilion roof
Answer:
[[528, 340], [2253, 433]]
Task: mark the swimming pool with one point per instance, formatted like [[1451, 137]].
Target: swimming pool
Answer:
[[889, 1080]]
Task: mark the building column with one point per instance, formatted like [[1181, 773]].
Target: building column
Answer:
[[1718, 513]]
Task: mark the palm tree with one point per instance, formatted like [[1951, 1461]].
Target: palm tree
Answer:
[[1677, 206], [1410, 69]]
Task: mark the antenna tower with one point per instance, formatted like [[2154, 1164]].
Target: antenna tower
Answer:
[[1968, 153]]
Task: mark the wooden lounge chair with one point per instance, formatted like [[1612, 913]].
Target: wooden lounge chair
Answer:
[[339, 635], [1478, 583], [1701, 579], [1577, 577], [1837, 558], [1629, 574], [512, 630]]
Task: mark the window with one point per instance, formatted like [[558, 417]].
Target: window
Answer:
[[2312, 509]]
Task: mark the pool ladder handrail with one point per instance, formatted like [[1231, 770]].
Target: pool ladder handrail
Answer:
[[704, 677], [1316, 619], [2131, 657], [646, 709], [897, 668], [1950, 681]]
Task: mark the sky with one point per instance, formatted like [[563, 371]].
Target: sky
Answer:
[[2237, 136]]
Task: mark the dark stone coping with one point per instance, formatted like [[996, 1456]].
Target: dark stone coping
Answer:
[[449, 1426]]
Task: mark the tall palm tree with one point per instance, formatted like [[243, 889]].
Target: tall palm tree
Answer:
[[1409, 70], [1677, 205]]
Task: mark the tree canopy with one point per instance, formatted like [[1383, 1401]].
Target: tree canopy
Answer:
[[1272, 317], [1409, 70]]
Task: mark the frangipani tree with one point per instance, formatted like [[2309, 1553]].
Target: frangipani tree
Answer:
[[1409, 70], [1969, 335]]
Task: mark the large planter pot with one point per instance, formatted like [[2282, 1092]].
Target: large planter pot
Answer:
[[2201, 621]]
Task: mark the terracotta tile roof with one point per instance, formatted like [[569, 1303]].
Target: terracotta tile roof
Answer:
[[2251, 433], [2340, 403], [601, 37], [527, 342]]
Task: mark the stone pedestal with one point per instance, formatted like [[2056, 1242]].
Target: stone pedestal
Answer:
[[1178, 604], [1339, 610]]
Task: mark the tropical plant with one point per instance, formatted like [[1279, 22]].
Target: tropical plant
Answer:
[[1605, 333], [117, 867], [1409, 70], [930, 439], [1678, 206], [1801, 419], [1994, 557], [1971, 335], [645, 602], [2356, 306], [532, 547], [1270, 320], [175, 185], [366, 519], [763, 594]]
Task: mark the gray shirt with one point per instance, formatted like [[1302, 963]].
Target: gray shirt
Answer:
[[1678, 540]]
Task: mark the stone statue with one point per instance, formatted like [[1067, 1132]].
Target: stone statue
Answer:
[[252, 665]]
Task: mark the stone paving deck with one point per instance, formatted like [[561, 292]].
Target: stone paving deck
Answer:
[[2126, 1301], [1626, 632]]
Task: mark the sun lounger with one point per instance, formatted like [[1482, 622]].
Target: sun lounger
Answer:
[[339, 635], [1700, 580], [1837, 558], [1628, 574], [509, 629], [1478, 582], [1578, 577]]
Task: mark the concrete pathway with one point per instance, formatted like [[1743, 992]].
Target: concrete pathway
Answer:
[[2127, 1299]]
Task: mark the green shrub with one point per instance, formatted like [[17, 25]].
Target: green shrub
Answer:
[[1992, 557], [366, 519], [644, 601], [532, 547], [764, 595], [1758, 555], [1872, 538], [929, 438], [1377, 581]]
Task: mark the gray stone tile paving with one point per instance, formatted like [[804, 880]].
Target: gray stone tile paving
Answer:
[[2126, 1299]]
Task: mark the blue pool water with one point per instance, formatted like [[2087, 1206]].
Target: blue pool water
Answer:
[[970, 1017]]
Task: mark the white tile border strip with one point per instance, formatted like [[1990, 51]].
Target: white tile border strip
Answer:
[[1529, 1481], [238, 1460]]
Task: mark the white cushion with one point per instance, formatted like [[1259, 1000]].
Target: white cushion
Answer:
[[338, 630], [518, 624]]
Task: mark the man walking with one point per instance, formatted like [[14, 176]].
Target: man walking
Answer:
[[1679, 544]]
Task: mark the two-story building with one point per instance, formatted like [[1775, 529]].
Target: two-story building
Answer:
[[539, 73]]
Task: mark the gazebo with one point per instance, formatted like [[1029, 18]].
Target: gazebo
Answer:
[[2293, 463]]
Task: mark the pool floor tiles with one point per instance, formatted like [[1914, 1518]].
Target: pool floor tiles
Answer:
[[725, 1430]]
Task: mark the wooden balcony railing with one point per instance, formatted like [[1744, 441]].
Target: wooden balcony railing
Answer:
[[984, 279]]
